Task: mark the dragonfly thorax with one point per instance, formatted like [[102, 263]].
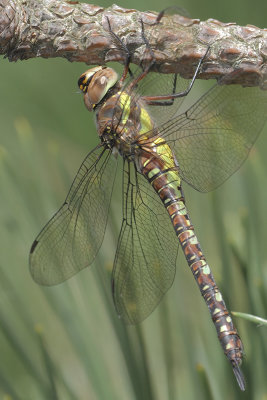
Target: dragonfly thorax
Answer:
[[95, 83], [122, 120]]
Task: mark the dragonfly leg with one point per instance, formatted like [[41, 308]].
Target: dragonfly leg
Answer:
[[125, 50], [169, 99], [150, 61], [161, 14], [164, 102], [161, 100]]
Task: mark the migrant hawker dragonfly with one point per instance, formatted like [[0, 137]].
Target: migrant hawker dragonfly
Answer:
[[202, 146]]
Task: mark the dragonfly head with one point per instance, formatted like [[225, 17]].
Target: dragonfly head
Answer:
[[94, 83]]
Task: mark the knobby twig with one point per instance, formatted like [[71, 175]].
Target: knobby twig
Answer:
[[79, 32]]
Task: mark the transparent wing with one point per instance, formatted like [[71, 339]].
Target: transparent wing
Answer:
[[213, 138], [71, 239], [155, 84], [144, 266]]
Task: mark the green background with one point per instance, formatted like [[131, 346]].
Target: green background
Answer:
[[66, 342]]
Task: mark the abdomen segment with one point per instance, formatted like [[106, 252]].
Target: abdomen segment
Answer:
[[164, 177]]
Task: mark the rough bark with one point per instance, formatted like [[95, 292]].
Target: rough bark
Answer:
[[79, 32]]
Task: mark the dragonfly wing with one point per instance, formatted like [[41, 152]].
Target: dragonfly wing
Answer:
[[213, 138], [155, 84], [145, 260], [71, 239]]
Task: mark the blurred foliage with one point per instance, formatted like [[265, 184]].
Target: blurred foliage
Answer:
[[257, 320], [66, 342]]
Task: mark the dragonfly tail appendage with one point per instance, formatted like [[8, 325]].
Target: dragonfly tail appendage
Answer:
[[167, 183], [239, 376]]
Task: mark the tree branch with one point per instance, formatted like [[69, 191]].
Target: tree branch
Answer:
[[79, 32]]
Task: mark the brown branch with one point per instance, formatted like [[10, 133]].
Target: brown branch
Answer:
[[78, 32]]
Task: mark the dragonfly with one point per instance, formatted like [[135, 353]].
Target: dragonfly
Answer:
[[160, 149]]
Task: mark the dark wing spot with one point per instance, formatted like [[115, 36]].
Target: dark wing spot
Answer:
[[33, 246]]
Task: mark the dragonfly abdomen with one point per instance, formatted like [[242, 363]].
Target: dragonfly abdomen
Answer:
[[163, 175]]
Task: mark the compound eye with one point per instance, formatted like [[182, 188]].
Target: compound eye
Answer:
[[86, 78], [84, 81], [95, 83]]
